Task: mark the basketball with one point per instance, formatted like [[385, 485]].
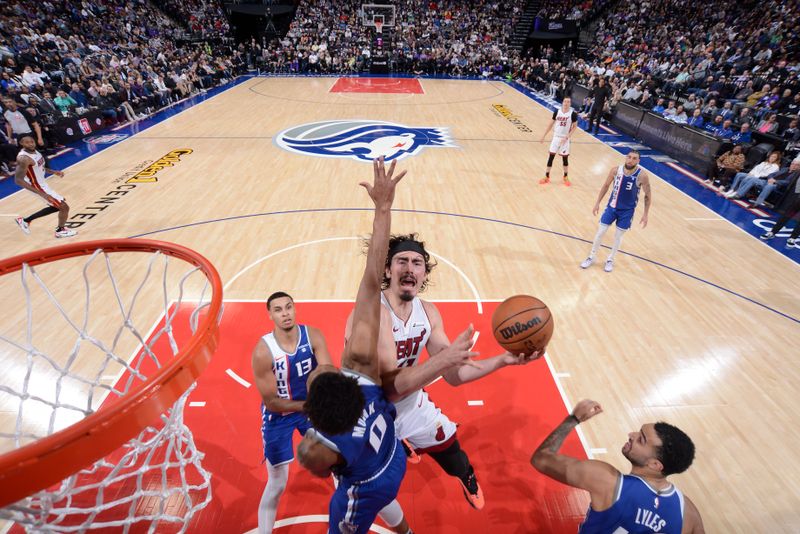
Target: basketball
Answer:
[[522, 324]]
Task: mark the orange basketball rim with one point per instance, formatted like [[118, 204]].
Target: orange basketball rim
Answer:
[[49, 460]]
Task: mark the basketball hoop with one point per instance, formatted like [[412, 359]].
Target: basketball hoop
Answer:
[[84, 453]]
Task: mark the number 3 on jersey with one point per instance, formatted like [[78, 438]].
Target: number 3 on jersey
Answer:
[[376, 433]]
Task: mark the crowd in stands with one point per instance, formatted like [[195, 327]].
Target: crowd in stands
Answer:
[[729, 69], [203, 19], [65, 58], [437, 37], [570, 9], [736, 63]]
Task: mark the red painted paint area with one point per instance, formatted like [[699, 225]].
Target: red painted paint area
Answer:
[[521, 405], [378, 85]]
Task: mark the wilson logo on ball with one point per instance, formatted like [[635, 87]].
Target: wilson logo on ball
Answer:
[[517, 328]]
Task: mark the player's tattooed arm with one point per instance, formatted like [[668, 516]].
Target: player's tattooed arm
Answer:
[[599, 478], [555, 440]]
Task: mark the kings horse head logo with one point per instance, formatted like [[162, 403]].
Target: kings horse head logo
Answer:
[[361, 140]]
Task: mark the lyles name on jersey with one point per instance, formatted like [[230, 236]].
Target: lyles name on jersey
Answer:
[[408, 349], [650, 519]]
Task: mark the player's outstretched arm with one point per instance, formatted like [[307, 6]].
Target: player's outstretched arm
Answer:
[[400, 382], [644, 180], [360, 351], [267, 384], [604, 190], [598, 478], [440, 347], [547, 131]]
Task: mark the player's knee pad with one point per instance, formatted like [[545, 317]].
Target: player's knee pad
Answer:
[[565, 159], [392, 514], [550, 159], [453, 460]]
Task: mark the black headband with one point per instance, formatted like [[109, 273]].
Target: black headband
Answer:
[[406, 246]]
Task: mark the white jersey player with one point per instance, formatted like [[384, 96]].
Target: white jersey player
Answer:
[[565, 120], [408, 325], [30, 175]]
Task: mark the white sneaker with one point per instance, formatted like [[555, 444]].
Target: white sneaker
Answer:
[[66, 232], [768, 235], [587, 262], [609, 266], [731, 193], [793, 242], [24, 226]]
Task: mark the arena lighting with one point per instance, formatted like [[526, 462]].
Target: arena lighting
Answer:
[[693, 377]]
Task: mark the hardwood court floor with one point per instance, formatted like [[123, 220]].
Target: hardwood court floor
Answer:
[[687, 330]]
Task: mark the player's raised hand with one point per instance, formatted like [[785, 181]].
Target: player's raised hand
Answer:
[[586, 409], [381, 191], [459, 352], [521, 359]]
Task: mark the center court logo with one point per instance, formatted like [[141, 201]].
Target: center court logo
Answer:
[[361, 140]]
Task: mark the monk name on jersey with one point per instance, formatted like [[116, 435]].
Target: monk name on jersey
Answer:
[[378, 428]]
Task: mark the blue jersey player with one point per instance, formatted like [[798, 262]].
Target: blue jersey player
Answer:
[[641, 502], [625, 182], [353, 433], [282, 362]]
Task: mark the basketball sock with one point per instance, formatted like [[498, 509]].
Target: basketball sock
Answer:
[[453, 460], [41, 213], [617, 242], [268, 507], [601, 231]]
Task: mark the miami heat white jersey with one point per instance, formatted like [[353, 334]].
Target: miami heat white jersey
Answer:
[[411, 336], [418, 420], [37, 169], [563, 122], [34, 176]]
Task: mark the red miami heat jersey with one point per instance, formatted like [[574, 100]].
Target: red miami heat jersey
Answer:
[[410, 337]]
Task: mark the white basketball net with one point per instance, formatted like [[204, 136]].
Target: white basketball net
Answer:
[[153, 481]]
